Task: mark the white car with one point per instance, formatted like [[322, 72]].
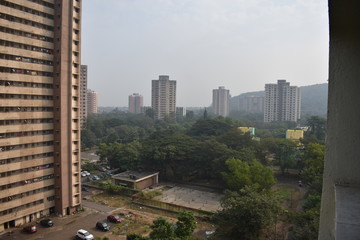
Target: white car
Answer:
[[86, 172], [83, 234], [83, 174]]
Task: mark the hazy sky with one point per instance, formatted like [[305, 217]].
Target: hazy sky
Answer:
[[203, 44]]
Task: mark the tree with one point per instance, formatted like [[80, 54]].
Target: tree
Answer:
[[186, 224], [285, 151], [135, 237], [123, 156], [314, 166], [162, 229], [241, 174], [317, 127], [88, 139], [245, 213]]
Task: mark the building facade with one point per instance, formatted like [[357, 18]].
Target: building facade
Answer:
[[180, 112], [39, 109], [136, 102], [163, 97], [83, 95], [92, 102], [282, 102], [221, 101]]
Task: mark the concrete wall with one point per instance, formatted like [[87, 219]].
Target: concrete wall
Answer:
[[342, 158]]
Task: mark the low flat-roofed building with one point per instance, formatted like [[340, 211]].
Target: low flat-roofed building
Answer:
[[136, 180], [294, 134], [250, 130]]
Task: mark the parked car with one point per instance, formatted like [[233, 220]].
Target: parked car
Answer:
[[114, 218], [47, 223], [102, 226], [30, 229], [83, 234], [83, 174], [95, 178], [87, 173]]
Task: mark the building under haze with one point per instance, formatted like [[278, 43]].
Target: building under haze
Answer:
[[163, 97], [92, 102], [39, 109], [83, 95], [221, 101], [282, 102], [251, 104], [135, 103]]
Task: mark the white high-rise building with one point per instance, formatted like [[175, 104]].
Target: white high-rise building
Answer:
[[163, 97], [221, 101], [282, 102]]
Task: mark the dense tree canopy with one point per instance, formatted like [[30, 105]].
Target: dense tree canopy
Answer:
[[245, 213]]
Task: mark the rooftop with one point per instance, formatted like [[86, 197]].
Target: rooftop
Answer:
[[134, 176]]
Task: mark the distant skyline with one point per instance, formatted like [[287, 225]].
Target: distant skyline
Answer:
[[202, 44]]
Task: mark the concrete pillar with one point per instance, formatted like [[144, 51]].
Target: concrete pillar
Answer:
[[342, 157]]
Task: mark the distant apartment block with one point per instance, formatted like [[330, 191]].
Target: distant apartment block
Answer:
[[39, 109], [163, 97], [83, 95], [92, 102], [135, 103], [180, 112], [251, 104], [282, 102], [221, 101]]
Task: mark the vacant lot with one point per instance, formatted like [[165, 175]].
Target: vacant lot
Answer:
[[190, 197]]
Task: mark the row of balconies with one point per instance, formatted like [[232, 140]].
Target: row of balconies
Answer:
[[28, 177], [20, 189], [26, 199], [25, 152], [26, 211], [36, 6], [26, 40], [25, 127], [26, 164], [27, 18]]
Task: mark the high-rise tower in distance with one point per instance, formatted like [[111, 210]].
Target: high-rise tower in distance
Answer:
[[221, 101], [39, 109], [92, 102], [135, 103], [282, 102], [163, 97]]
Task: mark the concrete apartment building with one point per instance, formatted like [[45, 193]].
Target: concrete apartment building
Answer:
[[282, 102], [221, 101], [39, 109], [92, 102], [136, 102], [163, 97], [180, 112], [83, 95]]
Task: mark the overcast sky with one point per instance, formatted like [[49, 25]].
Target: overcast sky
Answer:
[[203, 44]]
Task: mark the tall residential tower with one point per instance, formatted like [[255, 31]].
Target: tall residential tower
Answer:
[[221, 101], [135, 103], [39, 109], [163, 97], [282, 102], [92, 102]]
